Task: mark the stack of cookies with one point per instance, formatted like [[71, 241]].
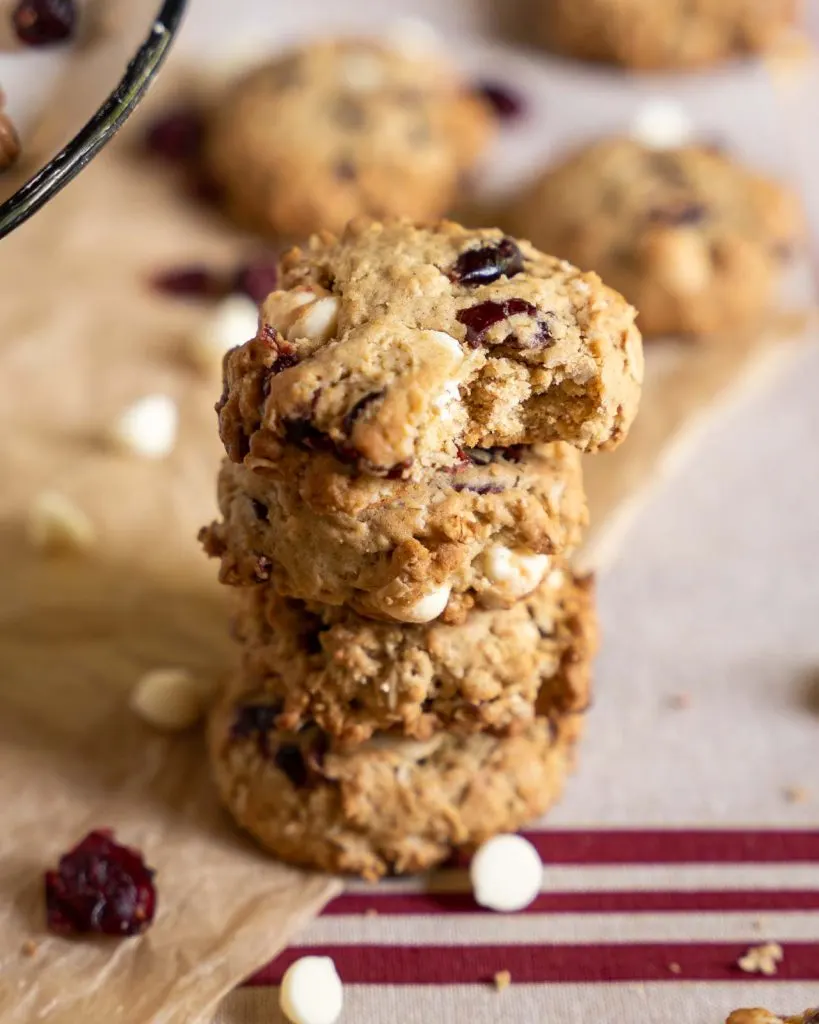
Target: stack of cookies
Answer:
[[400, 504]]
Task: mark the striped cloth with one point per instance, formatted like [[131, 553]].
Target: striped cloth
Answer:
[[635, 915]]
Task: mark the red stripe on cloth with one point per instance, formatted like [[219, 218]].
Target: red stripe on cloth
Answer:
[[454, 965], [677, 846], [403, 904]]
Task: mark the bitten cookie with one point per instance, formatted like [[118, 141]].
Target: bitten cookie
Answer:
[[760, 1016], [694, 239], [353, 676], [389, 806], [646, 34], [313, 529], [339, 129], [396, 346]]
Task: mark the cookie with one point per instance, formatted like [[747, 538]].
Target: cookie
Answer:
[[391, 805], [313, 529], [354, 676], [760, 1016], [646, 34], [396, 346], [690, 236], [339, 129]]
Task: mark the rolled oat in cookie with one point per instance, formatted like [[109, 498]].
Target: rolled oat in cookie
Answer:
[[483, 533], [494, 672], [394, 347]]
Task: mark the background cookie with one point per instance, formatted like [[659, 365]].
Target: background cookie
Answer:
[[661, 33], [334, 130], [395, 346], [694, 239], [354, 676], [313, 529]]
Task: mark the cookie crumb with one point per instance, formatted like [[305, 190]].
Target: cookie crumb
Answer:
[[674, 967], [679, 701], [503, 979], [29, 948], [371, 912], [57, 526], [762, 959], [796, 794]]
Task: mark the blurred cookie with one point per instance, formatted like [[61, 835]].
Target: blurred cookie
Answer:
[[339, 129], [494, 672], [310, 527], [692, 238], [394, 347], [646, 34]]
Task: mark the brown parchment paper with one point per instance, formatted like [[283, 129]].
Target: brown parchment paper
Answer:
[[81, 336]]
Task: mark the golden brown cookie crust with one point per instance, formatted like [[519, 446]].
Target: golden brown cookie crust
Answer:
[[313, 529], [690, 236], [396, 346], [339, 129], [354, 677]]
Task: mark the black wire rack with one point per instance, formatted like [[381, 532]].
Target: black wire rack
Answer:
[[102, 127]]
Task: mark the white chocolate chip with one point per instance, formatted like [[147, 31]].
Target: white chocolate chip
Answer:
[[234, 321], [662, 123], [170, 699], [506, 873], [318, 322], [311, 991], [148, 427], [513, 573], [452, 345], [56, 525], [425, 609], [555, 579], [413, 36], [362, 72]]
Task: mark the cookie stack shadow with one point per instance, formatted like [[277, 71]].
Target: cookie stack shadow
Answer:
[[415, 646]]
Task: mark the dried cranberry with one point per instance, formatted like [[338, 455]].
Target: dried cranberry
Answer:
[[345, 170], [478, 319], [506, 103], [197, 282], [44, 22], [260, 510], [256, 279], [353, 414], [480, 488], [487, 264], [290, 760], [255, 721], [177, 137], [100, 886], [679, 214]]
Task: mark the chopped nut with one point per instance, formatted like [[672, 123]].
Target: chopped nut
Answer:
[[503, 979], [679, 701], [674, 967], [762, 959], [29, 948], [9, 142], [56, 525], [796, 794], [170, 699]]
